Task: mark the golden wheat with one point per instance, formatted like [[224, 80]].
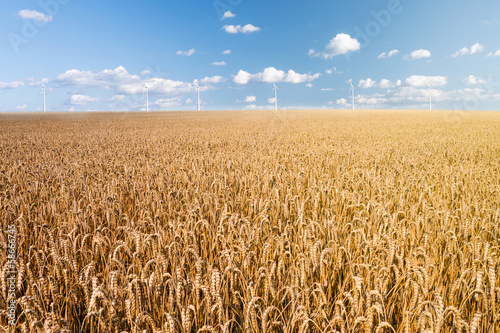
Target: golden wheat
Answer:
[[304, 221]]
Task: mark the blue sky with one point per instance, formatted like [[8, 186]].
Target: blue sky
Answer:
[[99, 55]]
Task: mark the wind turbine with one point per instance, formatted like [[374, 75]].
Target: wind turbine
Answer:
[[352, 91], [43, 90], [147, 96], [198, 91], [430, 95], [275, 90]]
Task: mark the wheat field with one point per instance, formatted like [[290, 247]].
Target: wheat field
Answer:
[[297, 221]]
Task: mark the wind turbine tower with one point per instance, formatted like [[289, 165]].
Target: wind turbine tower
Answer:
[[147, 97], [43, 91], [352, 92], [430, 95], [275, 90], [198, 91]]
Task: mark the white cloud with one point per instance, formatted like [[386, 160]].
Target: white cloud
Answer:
[[212, 79], [186, 53], [327, 89], [389, 54], [258, 107], [392, 53], [117, 98], [368, 83], [227, 52], [251, 99], [476, 48], [271, 100], [418, 97], [309, 85], [11, 85], [242, 77], [228, 14], [271, 74], [246, 29], [188, 101], [421, 81], [417, 54], [34, 15], [495, 54], [21, 107], [121, 82], [82, 99], [384, 84], [473, 80], [105, 79], [167, 102], [219, 63], [340, 44], [333, 70], [463, 51], [145, 72], [31, 82]]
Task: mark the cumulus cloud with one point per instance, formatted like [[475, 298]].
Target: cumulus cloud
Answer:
[[494, 54], [422, 81], [228, 14], [418, 97], [327, 89], [11, 85], [389, 54], [145, 72], [338, 45], [212, 79], [271, 100], [168, 102], [417, 54], [368, 83], [226, 52], [246, 29], [121, 82], [117, 98], [186, 53], [21, 107], [271, 74], [476, 48], [251, 99], [473, 80], [82, 99], [385, 84], [219, 63], [309, 85], [243, 77], [34, 15]]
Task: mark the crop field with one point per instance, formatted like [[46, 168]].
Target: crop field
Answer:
[[296, 221]]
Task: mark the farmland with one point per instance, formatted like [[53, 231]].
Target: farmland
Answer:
[[296, 221]]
